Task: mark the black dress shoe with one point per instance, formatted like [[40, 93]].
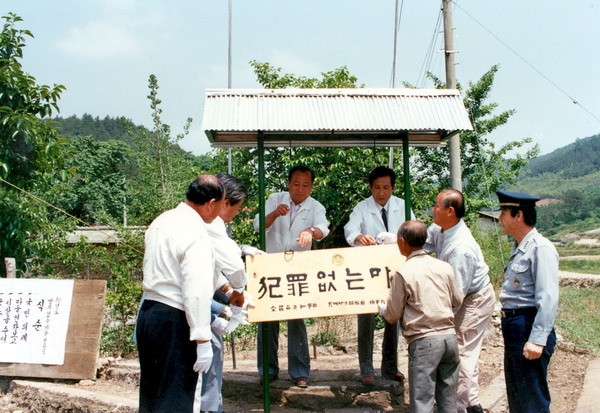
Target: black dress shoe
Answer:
[[475, 409]]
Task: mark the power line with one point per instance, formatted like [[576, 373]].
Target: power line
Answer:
[[430, 52], [575, 101], [37, 198]]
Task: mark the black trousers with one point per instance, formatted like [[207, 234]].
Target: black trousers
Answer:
[[167, 357]]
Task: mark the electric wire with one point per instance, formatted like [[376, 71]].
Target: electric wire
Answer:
[[37, 198], [425, 67], [573, 100]]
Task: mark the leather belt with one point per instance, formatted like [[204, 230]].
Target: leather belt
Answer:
[[514, 312]]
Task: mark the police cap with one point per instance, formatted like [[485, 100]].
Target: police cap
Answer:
[[509, 199]]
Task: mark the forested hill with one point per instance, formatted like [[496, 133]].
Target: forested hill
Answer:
[[100, 129], [577, 159], [568, 178], [113, 129]]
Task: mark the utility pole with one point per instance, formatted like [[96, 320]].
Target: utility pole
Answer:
[[391, 152], [454, 141], [229, 166]]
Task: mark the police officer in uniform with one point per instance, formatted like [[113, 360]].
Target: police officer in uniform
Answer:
[[529, 301]]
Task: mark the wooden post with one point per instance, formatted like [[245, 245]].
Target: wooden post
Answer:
[[11, 267]]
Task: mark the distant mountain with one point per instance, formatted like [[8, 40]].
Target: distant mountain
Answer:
[[579, 158]]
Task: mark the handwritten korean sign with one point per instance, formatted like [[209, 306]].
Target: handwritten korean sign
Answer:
[[34, 319], [320, 283]]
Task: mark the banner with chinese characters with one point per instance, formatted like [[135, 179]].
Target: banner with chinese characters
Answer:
[[320, 283], [34, 319]]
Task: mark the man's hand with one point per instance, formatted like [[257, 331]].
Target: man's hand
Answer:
[[532, 351], [204, 356], [248, 302], [240, 316], [382, 308], [252, 251], [386, 238], [236, 298], [281, 210], [219, 326], [305, 238], [365, 240]]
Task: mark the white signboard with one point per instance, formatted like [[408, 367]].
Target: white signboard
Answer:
[[34, 319], [320, 283]]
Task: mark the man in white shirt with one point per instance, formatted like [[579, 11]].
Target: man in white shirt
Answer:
[[452, 241], [173, 327], [233, 278], [293, 220], [380, 214]]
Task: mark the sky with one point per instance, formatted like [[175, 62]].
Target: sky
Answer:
[[104, 51]]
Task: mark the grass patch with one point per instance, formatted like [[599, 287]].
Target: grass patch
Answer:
[[578, 317], [580, 266], [571, 249]]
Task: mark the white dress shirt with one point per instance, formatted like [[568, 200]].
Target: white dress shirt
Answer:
[[282, 234], [179, 267], [228, 255], [366, 218]]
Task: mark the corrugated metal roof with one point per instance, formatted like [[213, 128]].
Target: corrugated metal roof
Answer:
[[332, 117]]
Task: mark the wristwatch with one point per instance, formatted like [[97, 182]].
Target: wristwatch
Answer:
[[312, 229]]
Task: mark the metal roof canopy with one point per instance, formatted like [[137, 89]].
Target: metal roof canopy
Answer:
[[233, 118], [236, 118]]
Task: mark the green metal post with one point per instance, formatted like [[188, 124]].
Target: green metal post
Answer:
[[263, 243]]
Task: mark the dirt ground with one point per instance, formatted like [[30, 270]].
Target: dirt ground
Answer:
[[566, 376], [566, 373]]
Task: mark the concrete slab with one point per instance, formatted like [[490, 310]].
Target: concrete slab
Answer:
[[589, 401]]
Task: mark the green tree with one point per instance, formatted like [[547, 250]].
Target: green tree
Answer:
[[485, 168], [164, 170], [31, 154], [97, 189]]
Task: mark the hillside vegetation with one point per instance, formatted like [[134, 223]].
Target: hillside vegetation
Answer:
[[568, 178]]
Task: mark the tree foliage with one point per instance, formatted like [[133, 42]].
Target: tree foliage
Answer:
[[484, 167], [163, 169], [31, 154], [96, 191], [106, 129]]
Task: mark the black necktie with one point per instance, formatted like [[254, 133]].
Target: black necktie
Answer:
[[384, 218]]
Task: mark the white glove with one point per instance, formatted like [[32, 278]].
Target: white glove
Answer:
[[240, 316], [386, 238], [228, 312], [219, 326], [252, 251], [248, 300], [382, 307], [204, 356]]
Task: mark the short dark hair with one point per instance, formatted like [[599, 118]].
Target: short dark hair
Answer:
[[204, 188], [529, 215], [413, 232], [301, 168], [455, 199], [235, 190], [380, 172]]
